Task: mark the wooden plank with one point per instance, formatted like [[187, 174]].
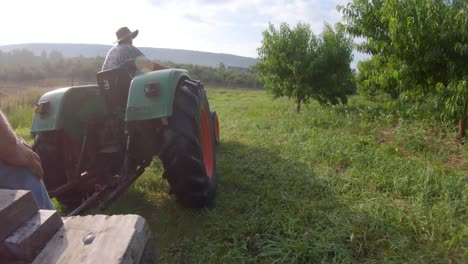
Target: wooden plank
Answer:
[[28, 240], [16, 207], [98, 239], [5, 255]]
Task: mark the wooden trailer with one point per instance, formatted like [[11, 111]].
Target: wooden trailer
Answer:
[[30, 235]]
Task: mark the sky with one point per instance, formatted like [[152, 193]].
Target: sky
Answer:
[[220, 26]]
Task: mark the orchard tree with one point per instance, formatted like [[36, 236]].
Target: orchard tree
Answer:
[[332, 75], [378, 75], [423, 45], [293, 62], [284, 61]]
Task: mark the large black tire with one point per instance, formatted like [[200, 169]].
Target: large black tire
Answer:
[[188, 153], [49, 147]]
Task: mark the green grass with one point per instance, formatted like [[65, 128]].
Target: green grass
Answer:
[[18, 106], [345, 184]]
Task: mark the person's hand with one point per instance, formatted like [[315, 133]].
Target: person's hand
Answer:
[[23, 156]]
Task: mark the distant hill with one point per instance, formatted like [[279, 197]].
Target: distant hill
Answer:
[[174, 55]]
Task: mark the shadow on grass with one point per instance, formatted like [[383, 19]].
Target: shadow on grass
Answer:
[[257, 190], [269, 207]]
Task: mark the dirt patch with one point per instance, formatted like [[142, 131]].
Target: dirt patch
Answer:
[[341, 169], [402, 203], [386, 135], [456, 162]]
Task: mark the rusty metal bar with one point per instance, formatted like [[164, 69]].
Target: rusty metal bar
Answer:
[[118, 190], [86, 204], [63, 188]]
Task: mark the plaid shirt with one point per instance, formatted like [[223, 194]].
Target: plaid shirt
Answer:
[[120, 54]]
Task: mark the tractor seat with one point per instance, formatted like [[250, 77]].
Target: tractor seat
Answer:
[[114, 85]]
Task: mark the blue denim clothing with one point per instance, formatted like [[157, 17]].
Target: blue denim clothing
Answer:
[[18, 178]]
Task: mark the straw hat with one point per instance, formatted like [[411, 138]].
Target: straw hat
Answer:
[[125, 33]]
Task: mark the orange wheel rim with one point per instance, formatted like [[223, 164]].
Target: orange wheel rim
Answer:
[[206, 142]]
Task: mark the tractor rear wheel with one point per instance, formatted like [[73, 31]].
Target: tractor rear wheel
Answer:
[[188, 153], [50, 148]]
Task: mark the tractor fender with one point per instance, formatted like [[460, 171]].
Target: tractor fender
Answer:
[[151, 94], [68, 109]]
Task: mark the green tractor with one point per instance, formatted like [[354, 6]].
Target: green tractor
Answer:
[[94, 141]]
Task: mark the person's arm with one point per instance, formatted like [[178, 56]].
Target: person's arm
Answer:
[[157, 66], [144, 62], [15, 151]]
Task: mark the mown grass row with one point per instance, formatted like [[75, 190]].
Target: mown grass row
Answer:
[[345, 184], [338, 184]]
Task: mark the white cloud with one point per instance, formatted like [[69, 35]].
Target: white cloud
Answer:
[[195, 18], [223, 26], [312, 12]]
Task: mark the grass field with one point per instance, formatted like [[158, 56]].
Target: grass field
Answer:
[[356, 183]]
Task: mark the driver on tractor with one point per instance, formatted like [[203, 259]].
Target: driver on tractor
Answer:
[[124, 53]]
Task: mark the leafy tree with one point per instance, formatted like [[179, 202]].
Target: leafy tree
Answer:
[[284, 61], [332, 75], [293, 62], [422, 44], [376, 75], [222, 72]]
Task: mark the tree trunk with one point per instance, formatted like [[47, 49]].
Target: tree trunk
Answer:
[[462, 127], [298, 104], [462, 124]]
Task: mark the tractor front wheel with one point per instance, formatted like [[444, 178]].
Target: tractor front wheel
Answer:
[[188, 153]]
